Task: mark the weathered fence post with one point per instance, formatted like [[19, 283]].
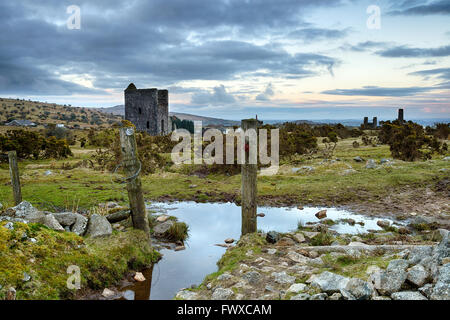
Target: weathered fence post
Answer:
[[248, 171], [132, 167], [15, 179]]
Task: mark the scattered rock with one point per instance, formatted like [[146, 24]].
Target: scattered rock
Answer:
[[381, 298], [388, 281], [229, 240], [301, 296], [26, 211], [66, 218], [335, 296], [329, 282], [11, 294], [98, 226], [417, 275], [51, 222], [371, 164], [296, 257], [75, 221], [398, 264], [407, 295], [160, 230], [108, 293], [418, 254], [358, 159], [310, 235], [222, 294], [9, 226], [162, 218], [426, 290], [186, 295], [383, 224], [118, 216], [252, 277], [272, 237], [261, 215], [297, 287], [359, 289], [299, 237], [112, 205], [285, 241], [225, 276], [441, 290], [283, 278], [180, 248], [271, 251], [80, 225], [319, 296], [139, 277], [321, 214], [26, 277]]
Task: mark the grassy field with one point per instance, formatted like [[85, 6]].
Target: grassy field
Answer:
[[328, 184]]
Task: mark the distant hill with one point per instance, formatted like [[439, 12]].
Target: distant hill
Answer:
[[46, 113], [206, 121]]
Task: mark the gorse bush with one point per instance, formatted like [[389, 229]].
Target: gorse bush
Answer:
[[33, 145], [150, 149], [441, 130], [408, 141]]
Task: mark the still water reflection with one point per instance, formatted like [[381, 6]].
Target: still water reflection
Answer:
[[212, 223]]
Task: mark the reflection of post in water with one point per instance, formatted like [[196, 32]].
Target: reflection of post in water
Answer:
[[249, 172]]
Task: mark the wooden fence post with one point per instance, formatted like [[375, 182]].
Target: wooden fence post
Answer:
[[132, 169], [248, 172], [15, 179]]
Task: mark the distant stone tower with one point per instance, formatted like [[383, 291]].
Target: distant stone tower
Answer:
[[148, 109], [400, 116]]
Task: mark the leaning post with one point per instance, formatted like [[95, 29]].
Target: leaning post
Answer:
[[15, 179], [132, 167], [248, 172]]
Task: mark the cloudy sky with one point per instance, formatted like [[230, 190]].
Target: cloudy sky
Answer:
[[280, 59]]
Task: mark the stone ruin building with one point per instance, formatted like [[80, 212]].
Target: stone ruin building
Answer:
[[374, 123], [148, 109], [370, 125], [400, 116]]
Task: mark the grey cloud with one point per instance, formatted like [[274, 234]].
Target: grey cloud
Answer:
[[379, 91], [417, 8], [408, 52], [266, 94], [365, 46], [309, 34], [441, 73], [218, 96], [148, 42]]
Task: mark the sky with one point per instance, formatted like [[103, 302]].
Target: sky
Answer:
[[280, 59]]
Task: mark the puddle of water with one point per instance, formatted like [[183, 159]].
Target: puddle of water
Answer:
[[212, 223]]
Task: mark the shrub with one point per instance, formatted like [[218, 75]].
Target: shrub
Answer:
[[408, 141], [32, 145]]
